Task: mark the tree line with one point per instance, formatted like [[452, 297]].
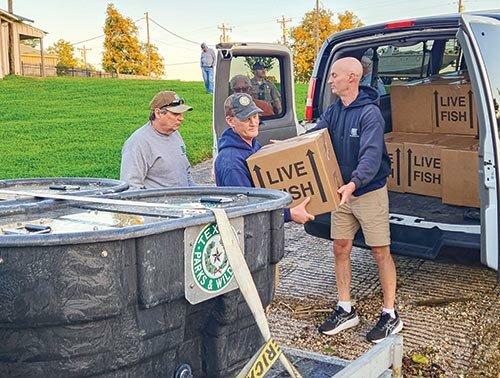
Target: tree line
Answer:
[[124, 53]]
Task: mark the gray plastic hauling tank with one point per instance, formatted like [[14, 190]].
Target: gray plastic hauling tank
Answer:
[[103, 294], [54, 185]]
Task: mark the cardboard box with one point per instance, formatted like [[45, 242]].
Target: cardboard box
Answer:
[[423, 168], [396, 150], [304, 166], [411, 108], [460, 165], [440, 104], [453, 110]]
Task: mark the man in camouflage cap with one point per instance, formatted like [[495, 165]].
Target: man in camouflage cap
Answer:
[[154, 156], [238, 142]]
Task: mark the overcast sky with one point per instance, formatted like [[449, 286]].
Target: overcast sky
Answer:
[[197, 21]]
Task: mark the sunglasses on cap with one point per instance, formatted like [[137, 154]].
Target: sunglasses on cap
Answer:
[[176, 102]]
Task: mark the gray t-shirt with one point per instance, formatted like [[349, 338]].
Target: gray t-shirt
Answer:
[[153, 160], [207, 59]]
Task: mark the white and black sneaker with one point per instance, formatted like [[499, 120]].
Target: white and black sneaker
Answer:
[[338, 321], [385, 326]]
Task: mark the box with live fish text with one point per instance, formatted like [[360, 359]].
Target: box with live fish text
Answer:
[[303, 166]]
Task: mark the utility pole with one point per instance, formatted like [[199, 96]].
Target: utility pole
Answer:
[[317, 27], [148, 45], [12, 70], [461, 7], [224, 37], [84, 54], [283, 22]]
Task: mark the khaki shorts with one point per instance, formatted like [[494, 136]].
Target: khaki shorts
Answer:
[[369, 211]]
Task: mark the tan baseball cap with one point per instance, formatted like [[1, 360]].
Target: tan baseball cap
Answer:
[[170, 101]]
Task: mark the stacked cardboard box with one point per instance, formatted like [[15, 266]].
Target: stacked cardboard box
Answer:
[[433, 147], [435, 165], [460, 164], [399, 155], [441, 104], [304, 166]]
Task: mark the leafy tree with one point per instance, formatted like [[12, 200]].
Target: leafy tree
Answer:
[[122, 51], [347, 20], [65, 53], [267, 62], [34, 42], [303, 37], [156, 60]]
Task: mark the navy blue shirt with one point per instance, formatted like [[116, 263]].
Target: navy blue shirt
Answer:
[[231, 167], [357, 134]]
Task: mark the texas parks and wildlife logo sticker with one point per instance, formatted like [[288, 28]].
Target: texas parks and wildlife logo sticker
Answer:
[[211, 269], [207, 272]]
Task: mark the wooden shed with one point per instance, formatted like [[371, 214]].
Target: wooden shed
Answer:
[[31, 62], [10, 54]]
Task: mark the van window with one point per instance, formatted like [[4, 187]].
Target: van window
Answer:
[[452, 57], [410, 60], [404, 62], [260, 77]]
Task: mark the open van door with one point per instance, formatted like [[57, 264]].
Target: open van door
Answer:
[[479, 38], [271, 86]]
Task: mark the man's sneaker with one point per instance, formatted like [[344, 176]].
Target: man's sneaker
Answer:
[[385, 326], [338, 321]]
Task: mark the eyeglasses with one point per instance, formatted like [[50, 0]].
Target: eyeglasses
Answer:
[[176, 102], [241, 89]]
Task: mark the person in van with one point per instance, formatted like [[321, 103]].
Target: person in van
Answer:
[[356, 127], [237, 143], [263, 89], [242, 84], [366, 79]]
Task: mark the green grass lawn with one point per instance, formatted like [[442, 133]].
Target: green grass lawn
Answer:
[[76, 127]]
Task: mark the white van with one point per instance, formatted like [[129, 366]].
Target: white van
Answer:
[[448, 49]]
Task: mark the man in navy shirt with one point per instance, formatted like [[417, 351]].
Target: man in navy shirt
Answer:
[[237, 143], [356, 127]]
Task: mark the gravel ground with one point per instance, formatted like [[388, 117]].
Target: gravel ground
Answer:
[[451, 312]]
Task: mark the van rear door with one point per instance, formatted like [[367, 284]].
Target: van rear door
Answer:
[[236, 59], [479, 38]]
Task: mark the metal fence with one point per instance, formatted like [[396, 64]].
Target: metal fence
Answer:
[[36, 70]]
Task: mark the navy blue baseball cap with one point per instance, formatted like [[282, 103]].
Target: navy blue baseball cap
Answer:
[[258, 66], [242, 106]]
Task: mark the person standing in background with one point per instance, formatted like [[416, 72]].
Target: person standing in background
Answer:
[[207, 64], [154, 156]]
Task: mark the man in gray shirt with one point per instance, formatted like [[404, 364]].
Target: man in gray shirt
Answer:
[[207, 64], [154, 156]]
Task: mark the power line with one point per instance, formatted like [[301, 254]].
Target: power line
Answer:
[[283, 21], [224, 37], [84, 54], [178, 64], [88, 40], [102, 35], [174, 34]]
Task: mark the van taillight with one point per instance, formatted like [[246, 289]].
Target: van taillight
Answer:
[[309, 99], [399, 24]]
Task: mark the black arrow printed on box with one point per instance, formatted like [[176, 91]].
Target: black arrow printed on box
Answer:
[[471, 116], [317, 177], [398, 165], [436, 105], [257, 171], [409, 166]]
